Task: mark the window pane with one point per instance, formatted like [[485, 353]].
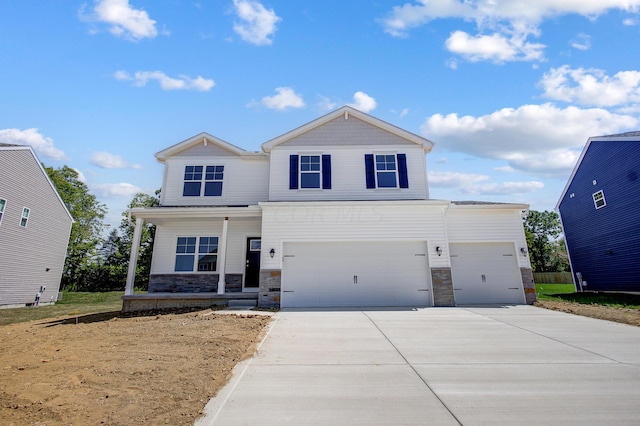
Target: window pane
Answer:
[[207, 262], [191, 189], [184, 262], [2, 203], [386, 180], [310, 180], [212, 189]]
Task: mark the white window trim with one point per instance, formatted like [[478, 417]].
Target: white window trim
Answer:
[[28, 211], [195, 270], [203, 181], [4, 208], [300, 172], [375, 170], [595, 201]]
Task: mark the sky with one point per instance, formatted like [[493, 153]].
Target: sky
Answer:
[[508, 90]]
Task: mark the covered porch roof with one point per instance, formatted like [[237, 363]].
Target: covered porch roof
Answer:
[[160, 215]]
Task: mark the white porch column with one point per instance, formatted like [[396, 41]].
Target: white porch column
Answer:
[[222, 254], [133, 259]]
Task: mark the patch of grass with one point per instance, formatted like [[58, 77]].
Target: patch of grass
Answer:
[[567, 293], [543, 290], [80, 303]]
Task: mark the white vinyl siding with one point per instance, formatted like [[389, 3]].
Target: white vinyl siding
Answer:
[[43, 243], [245, 181], [164, 251], [348, 178], [344, 221]]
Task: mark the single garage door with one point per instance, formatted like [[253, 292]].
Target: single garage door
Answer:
[[355, 274], [486, 273]]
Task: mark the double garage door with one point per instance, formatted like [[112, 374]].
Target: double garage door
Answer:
[[334, 274], [486, 273]]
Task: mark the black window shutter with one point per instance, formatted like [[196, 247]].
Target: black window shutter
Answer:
[[326, 171], [293, 172], [369, 171], [403, 177]]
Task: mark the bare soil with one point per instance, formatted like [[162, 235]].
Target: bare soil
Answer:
[[622, 315], [113, 370]]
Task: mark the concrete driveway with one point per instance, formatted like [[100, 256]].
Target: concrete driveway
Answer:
[[511, 365]]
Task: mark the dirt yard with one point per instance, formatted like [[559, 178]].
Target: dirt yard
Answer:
[[159, 369]]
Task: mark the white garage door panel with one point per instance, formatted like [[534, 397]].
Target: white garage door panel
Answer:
[[355, 274], [485, 273]]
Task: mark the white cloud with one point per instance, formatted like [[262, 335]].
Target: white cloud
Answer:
[[183, 82], [43, 145], [115, 190], [81, 177], [477, 184], [495, 47], [629, 22], [106, 160], [326, 104], [581, 42], [257, 24], [512, 21], [505, 169], [124, 20], [286, 98], [539, 139], [591, 86], [363, 102]]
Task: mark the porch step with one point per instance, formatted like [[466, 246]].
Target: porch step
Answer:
[[242, 303]]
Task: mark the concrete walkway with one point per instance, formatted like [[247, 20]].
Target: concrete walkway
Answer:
[[515, 365]]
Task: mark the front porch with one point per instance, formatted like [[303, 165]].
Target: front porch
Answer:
[[152, 301]]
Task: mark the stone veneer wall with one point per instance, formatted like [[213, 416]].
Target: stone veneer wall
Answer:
[[529, 285], [442, 287], [193, 283], [269, 293]]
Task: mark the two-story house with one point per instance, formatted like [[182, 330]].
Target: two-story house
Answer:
[[333, 213], [34, 230]]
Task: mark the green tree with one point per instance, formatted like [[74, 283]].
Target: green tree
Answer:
[[86, 232], [546, 249], [147, 237]]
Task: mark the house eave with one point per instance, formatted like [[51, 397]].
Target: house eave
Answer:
[[159, 214], [204, 138]]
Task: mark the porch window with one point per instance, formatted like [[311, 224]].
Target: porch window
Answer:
[[207, 254], [3, 203], [193, 179]]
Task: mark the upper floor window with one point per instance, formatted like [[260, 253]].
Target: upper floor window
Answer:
[[386, 171], [310, 171], [25, 217], [193, 181], [3, 203], [598, 199], [207, 254]]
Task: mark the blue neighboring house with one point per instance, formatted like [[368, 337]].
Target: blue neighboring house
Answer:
[[600, 213]]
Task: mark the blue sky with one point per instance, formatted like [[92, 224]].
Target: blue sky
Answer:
[[508, 90]]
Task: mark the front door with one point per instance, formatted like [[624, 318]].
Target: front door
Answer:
[[252, 268]]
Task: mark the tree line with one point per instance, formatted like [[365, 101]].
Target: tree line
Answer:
[[99, 262]]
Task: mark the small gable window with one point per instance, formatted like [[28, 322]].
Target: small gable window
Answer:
[[598, 200], [3, 203], [386, 171], [193, 181], [310, 171], [25, 217]]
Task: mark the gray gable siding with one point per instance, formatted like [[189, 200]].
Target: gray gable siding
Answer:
[[341, 132], [26, 253], [200, 149]]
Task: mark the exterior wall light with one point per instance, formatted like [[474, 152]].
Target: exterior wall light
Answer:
[[523, 251], [272, 253], [439, 250]]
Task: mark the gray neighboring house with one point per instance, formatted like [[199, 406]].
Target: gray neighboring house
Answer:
[[34, 230]]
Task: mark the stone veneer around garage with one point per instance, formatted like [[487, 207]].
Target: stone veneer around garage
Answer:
[[442, 284], [269, 294], [529, 286]]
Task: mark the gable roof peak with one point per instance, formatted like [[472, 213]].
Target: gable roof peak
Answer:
[[204, 138], [347, 111]]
